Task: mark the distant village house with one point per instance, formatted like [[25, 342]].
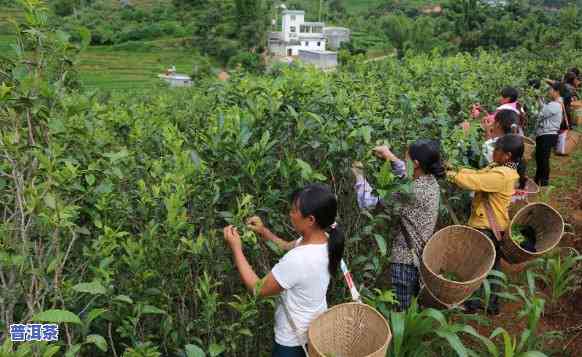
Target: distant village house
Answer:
[[308, 41], [296, 35]]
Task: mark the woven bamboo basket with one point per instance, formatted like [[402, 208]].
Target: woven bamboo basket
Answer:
[[529, 146], [427, 299], [509, 268], [548, 225], [461, 250], [349, 330], [530, 190], [577, 116], [572, 140]]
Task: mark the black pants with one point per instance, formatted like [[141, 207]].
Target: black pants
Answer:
[[284, 351], [544, 146]]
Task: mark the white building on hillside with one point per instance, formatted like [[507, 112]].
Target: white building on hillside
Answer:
[[335, 36], [495, 3], [319, 59], [296, 35]]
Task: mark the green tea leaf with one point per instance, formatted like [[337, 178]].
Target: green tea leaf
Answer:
[[72, 352], [381, 244], [123, 298], [93, 288], [149, 309], [194, 351], [50, 201], [57, 316], [51, 351], [98, 341], [215, 349]]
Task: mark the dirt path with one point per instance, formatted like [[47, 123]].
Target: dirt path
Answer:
[[566, 315]]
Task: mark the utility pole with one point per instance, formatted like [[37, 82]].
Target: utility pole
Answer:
[[320, 3]]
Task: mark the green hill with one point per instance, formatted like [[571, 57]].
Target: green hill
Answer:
[[359, 6]]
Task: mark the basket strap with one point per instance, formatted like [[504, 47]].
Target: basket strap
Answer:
[[293, 326], [565, 114], [350, 282], [492, 221], [355, 297]]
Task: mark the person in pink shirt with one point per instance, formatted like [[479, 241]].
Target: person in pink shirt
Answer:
[[508, 101]]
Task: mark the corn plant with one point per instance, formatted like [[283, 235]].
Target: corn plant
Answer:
[[532, 310], [513, 347], [112, 203], [417, 332], [560, 273]]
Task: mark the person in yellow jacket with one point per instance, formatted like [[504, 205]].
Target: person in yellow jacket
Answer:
[[495, 184]]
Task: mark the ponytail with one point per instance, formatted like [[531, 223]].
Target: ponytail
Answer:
[[507, 119], [437, 170], [427, 153], [335, 248], [513, 144], [522, 115], [318, 200]]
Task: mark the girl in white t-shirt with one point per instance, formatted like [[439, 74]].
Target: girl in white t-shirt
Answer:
[[302, 275]]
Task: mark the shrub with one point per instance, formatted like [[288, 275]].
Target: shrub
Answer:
[[250, 62]]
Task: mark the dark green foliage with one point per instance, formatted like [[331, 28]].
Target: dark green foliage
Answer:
[[112, 25], [114, 201], [247, 61], [202, 68], [252, 20], [140, 185]]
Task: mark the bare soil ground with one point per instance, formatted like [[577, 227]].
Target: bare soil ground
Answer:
[[565, 316]]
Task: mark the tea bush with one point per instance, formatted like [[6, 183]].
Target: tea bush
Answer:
[[113, 202]]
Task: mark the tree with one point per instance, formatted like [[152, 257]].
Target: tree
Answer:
[[423, 34], [398, 29], [569, 21], [214, 27], [337, 7], [252, 22], [467, 15]]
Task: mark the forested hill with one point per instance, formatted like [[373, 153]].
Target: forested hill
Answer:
[[223, 29], [131, 41]]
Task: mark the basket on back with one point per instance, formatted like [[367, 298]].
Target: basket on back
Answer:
[[427, 300], [529, 146], [462, 251], [577, 117], [573, 138], [530, 190], [349, 330], [548, 225], [522, 196]]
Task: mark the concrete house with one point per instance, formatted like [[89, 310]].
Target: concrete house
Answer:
[[336, 36], [495, 3], [296, 34]]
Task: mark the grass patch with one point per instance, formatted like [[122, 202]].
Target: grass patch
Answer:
[[7, 14], [126, 66], [108, 69], [6, 42], [568, 168], [6, 28], [359, 6]]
